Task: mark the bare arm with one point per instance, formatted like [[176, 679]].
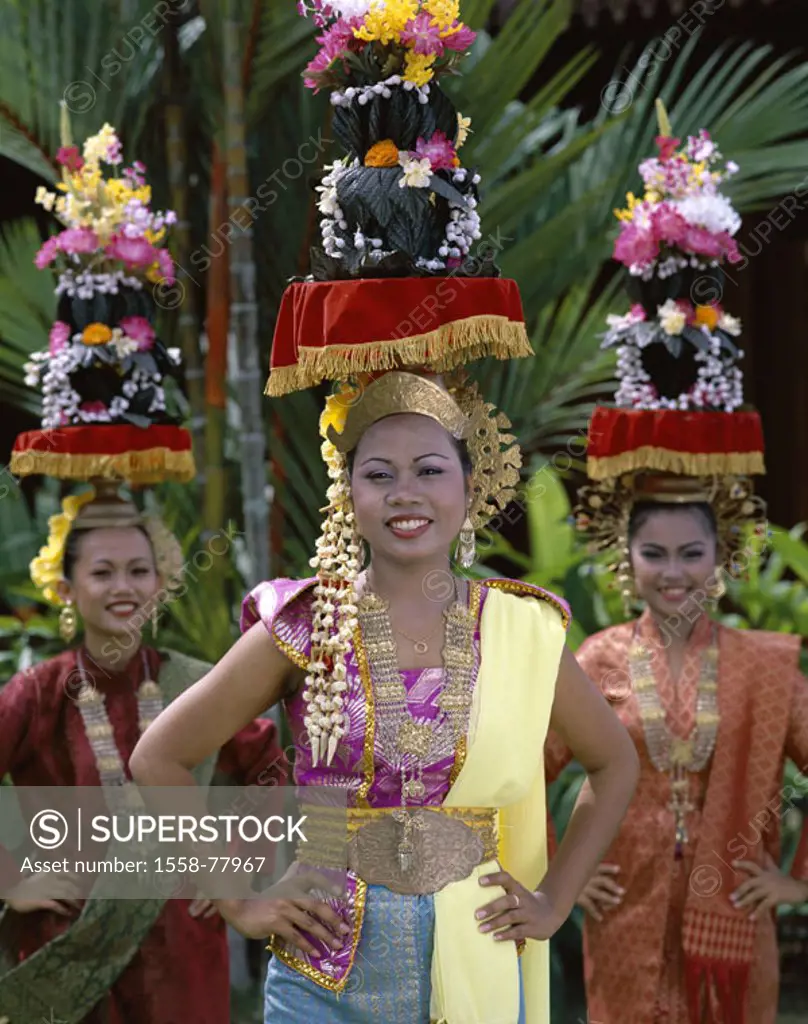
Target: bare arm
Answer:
[[250, 678], [589, 728]]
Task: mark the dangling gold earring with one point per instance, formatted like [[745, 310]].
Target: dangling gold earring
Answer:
[[68, 622], [716, 588], [466, 550]]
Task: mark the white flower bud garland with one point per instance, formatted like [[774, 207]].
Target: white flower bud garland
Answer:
[[334, 615]]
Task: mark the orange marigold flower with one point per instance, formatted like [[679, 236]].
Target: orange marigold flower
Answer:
[[706, 316], [382, 154], [96, 334]]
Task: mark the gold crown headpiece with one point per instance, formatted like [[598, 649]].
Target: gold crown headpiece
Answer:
[[100, 507], [604, 511], [456, 404]]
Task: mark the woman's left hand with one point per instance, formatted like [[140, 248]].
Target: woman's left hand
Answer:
[[767, 888], [518, 915]]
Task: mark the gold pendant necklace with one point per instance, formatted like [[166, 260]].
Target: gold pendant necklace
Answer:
[[677, 757], [98, 727], [420, 646], [398, 734]]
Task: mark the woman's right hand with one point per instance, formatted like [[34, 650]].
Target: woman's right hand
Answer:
[[63, 895], [286, 918], [602, 892]]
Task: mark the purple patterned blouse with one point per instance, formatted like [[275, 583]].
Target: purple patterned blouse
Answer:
[[284, 606]]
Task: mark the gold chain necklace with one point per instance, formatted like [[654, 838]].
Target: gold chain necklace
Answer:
[[420, 646], [98, 727], [669, 753], [397, 732]]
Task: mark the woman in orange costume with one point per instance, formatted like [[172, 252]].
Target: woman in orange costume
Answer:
[[679, 926], [695, 856]]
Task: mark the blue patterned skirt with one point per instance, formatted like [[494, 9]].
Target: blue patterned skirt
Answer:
[[390, 978]]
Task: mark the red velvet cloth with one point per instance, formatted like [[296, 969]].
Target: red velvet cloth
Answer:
[[616, 431], [322, 314], [104, 439], [181, 972]]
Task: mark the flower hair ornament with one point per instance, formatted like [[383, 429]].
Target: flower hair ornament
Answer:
[[455, 403], [100, 508]]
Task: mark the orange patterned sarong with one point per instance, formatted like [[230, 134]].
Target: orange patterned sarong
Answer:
[[676, 951]]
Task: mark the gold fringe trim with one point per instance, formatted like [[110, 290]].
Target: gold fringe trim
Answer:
[[664, 460], [448, 346], [151, 466]]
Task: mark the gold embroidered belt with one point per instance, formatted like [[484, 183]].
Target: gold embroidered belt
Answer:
[[412, 851]]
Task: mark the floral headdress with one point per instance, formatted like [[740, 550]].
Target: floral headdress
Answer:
[[675, 346], [678, 433], [93, 510], [104, 364]]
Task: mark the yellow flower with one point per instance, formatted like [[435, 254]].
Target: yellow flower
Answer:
[[45, 198], [444, 12], [463, 129], [337, 407], [96, 334], [628, 213], [382, 154], [46, 568], [155, 236], [385, 20], [418, 68]]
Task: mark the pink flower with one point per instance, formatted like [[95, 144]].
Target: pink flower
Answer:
[[69, 157], [334, 43], [47, 253], [461, 39], [140, 330], [669, 225], [438, 151], [703, 242], [637, 312], [422, 35], [78, 240], [134, 252], [58, 337], [667, 146], [635, 245], [453, 262], [166, 266], [733, 253], [93, 407]]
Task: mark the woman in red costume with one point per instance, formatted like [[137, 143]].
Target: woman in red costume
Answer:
[[74, 720]]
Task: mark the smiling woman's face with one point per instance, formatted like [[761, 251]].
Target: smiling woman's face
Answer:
[[112, 580], [409, 489], [673, 554]]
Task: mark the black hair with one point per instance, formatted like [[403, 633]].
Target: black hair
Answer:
[[73, 547], [460, 446], [643, 510]]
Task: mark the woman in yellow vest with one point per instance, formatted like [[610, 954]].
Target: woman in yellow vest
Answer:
[[426, 697]]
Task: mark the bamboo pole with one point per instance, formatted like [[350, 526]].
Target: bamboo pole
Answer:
[[247, 375], [177, 160]]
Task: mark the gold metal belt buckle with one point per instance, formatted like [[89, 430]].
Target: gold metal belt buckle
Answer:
[[418, 851]]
